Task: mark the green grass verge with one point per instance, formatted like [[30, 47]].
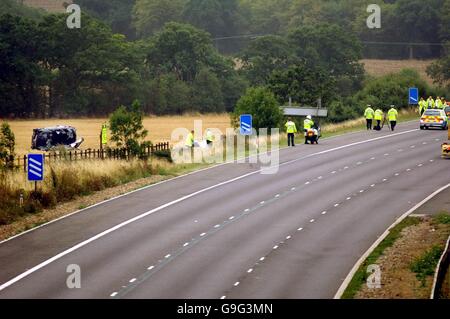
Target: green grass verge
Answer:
[[361, 275], [425, 265]]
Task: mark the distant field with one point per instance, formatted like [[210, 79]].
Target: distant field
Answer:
[[160, 128], [383, 67]]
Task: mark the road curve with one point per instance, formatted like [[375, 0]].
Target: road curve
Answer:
[[231, 232]]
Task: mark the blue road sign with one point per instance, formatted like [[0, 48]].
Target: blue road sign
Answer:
[[246, 124], [413, 96], [35, 167]]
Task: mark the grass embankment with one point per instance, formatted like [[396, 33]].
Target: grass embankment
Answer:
[[408, 257], [65, 181]]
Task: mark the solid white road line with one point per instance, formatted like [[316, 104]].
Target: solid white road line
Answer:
[[181, 199], [358, 264]]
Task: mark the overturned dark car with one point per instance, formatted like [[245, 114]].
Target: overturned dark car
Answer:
[[46, 139]]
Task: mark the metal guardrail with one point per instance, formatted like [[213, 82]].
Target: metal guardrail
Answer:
[[441, 272]]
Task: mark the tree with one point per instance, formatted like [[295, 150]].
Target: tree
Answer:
[[439, 71], [7, 145], [263, 56], [261, 103], [207, 93], [149, 16], [127, 127], [303, 84]]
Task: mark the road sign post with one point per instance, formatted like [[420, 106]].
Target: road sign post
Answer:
[[246, 121], [35, 168], [413, 96]]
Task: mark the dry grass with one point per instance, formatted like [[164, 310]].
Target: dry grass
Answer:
[[383, 67], [160, 128]]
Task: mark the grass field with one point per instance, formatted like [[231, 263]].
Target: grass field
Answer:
[[384, 67], [160, 128]]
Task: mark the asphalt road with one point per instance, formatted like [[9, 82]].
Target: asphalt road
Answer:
[[232, 232]]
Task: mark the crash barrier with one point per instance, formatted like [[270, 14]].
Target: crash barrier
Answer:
[[106, 153], [441, 272]]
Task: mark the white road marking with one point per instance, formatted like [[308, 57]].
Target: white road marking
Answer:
[[217, 226], [202, 234], [333, 172], [167, 256], [336, 205], [275, 247], [400, 150], [157, 209], [195, 221], [346, 167], [247, 210], [262, 258], [262, 203], [359, 163], [114, 294], [231, 218], [186, 244], [133, 280], [307, 183], [424, 143], [300, 229], [324, 212], [277, 195], [223, 297], [348, 198], [293, 189], [373, 185], [384, 179], [312, 221], [361, 191], [431, 161], [412, 146], [288, 237], [397, 174], [250, 270], [408, 170], [320, 177], [236, 283], [420, 165], [150, 268], [373, 158]]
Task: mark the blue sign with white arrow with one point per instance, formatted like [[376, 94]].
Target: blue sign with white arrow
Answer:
[[413, 96], [246, 124], [35, 167]]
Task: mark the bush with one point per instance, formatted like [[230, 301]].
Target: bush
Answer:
[[261, 103]]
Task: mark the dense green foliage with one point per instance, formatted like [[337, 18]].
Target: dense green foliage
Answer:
[[262, 105], [7, 145]]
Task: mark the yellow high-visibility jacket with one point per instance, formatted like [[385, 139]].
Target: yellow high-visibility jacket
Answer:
[[190, 140], [369, 113], [291, 127], [307, 124], [379, 115], [392, 114]]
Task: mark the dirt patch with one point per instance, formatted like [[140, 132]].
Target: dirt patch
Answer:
[[397, 279], [45, 216]]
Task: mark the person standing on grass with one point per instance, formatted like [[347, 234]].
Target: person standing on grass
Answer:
[[291, 129], [369, 114]]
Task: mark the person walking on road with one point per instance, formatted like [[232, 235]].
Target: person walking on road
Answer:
[[393, 116], [369, 114], [422, 106], [308, 123], [378, 117], [291, 129]]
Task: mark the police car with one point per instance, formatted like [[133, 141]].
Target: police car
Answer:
[[434, 118]]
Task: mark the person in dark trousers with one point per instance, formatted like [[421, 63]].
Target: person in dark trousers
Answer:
[[291, 129], [393, 115], [369, 114]]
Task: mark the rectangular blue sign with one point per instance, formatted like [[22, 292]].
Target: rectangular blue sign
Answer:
[[35, 167], [413, 96], [246, 124]]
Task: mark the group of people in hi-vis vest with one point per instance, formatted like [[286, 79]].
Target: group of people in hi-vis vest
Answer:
[[430, 103], [291, 129], [380, 118]]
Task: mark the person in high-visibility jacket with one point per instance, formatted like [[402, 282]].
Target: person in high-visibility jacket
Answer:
[[393, 116], [291, 129], [378, 117], [369, 114], [190, 140], [308, 123], [422, 106], [438, 103], [430, 103], [104, 135]]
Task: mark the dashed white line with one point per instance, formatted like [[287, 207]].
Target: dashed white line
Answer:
[[262, 203], [361, 191], [247, 210], [293, 189], [333, 172], [373, 158], [231, 218], [384, 179], [151, 267], [217, 226], [387, 154], [202, 234], [236, 283], [307, 183], [348, 198], [312, 221], [408, 170], [223, 297], [359, 163], [373, 185], [277, 195], [133, 280], [262, 258], [336, 205], [420, 165], [320, 177], [186, 244], [300, 229], [114, 294], [288, 237], [167, 256], [324, 212], [346, 167], [397, 174], [275, 247], [250, 270]]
